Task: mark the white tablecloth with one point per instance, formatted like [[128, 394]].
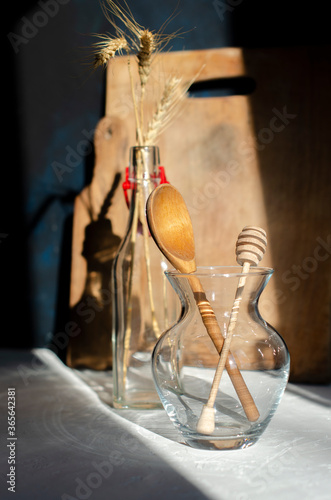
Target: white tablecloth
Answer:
[[71, 444]]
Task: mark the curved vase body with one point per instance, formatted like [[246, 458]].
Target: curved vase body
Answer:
[[185, 359]]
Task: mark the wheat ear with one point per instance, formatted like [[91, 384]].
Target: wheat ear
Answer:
[[144, 56], [172, 95], [107, 49], [146, 49]]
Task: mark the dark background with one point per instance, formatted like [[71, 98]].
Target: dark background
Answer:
[[51, 96]]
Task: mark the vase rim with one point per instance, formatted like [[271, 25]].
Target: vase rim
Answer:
[[225, 271]]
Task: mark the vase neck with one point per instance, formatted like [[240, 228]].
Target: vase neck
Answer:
[[220, 285]]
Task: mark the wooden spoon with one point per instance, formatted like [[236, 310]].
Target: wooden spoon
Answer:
[[171, 228]]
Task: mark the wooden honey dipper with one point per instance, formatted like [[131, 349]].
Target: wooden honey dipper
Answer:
[[171, 228], [250, 248]]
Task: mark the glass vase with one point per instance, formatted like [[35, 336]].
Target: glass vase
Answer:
[[185, 361], [141, 293]]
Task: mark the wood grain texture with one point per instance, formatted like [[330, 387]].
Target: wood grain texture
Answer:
[[240, 160], [171, 227]]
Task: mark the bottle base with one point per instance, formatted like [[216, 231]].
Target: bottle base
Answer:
[[139, 402]]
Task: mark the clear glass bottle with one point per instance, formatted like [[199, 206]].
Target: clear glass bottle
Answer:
[[185, 360], [140, 292]]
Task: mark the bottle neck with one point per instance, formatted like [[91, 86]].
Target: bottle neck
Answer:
[[144, 164]]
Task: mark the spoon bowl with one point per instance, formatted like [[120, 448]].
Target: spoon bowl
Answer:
[[171, 227]]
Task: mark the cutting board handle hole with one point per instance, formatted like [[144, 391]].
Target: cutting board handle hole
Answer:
[[222, 87]]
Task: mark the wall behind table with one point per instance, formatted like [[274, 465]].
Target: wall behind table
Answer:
[[54, 103]]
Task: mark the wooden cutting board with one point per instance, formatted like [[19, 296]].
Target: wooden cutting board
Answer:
[[259, 159]]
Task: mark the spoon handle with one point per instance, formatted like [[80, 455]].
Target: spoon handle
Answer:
[[214, 331]]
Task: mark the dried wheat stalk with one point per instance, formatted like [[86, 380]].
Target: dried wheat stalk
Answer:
[[134, 38], [145, 44]]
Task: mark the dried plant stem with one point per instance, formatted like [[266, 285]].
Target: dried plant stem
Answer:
[[128, 328], [145, 43], [155, 325], [147, 47], [142, 108], [139, 214], [135, 107], [141, 167]]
